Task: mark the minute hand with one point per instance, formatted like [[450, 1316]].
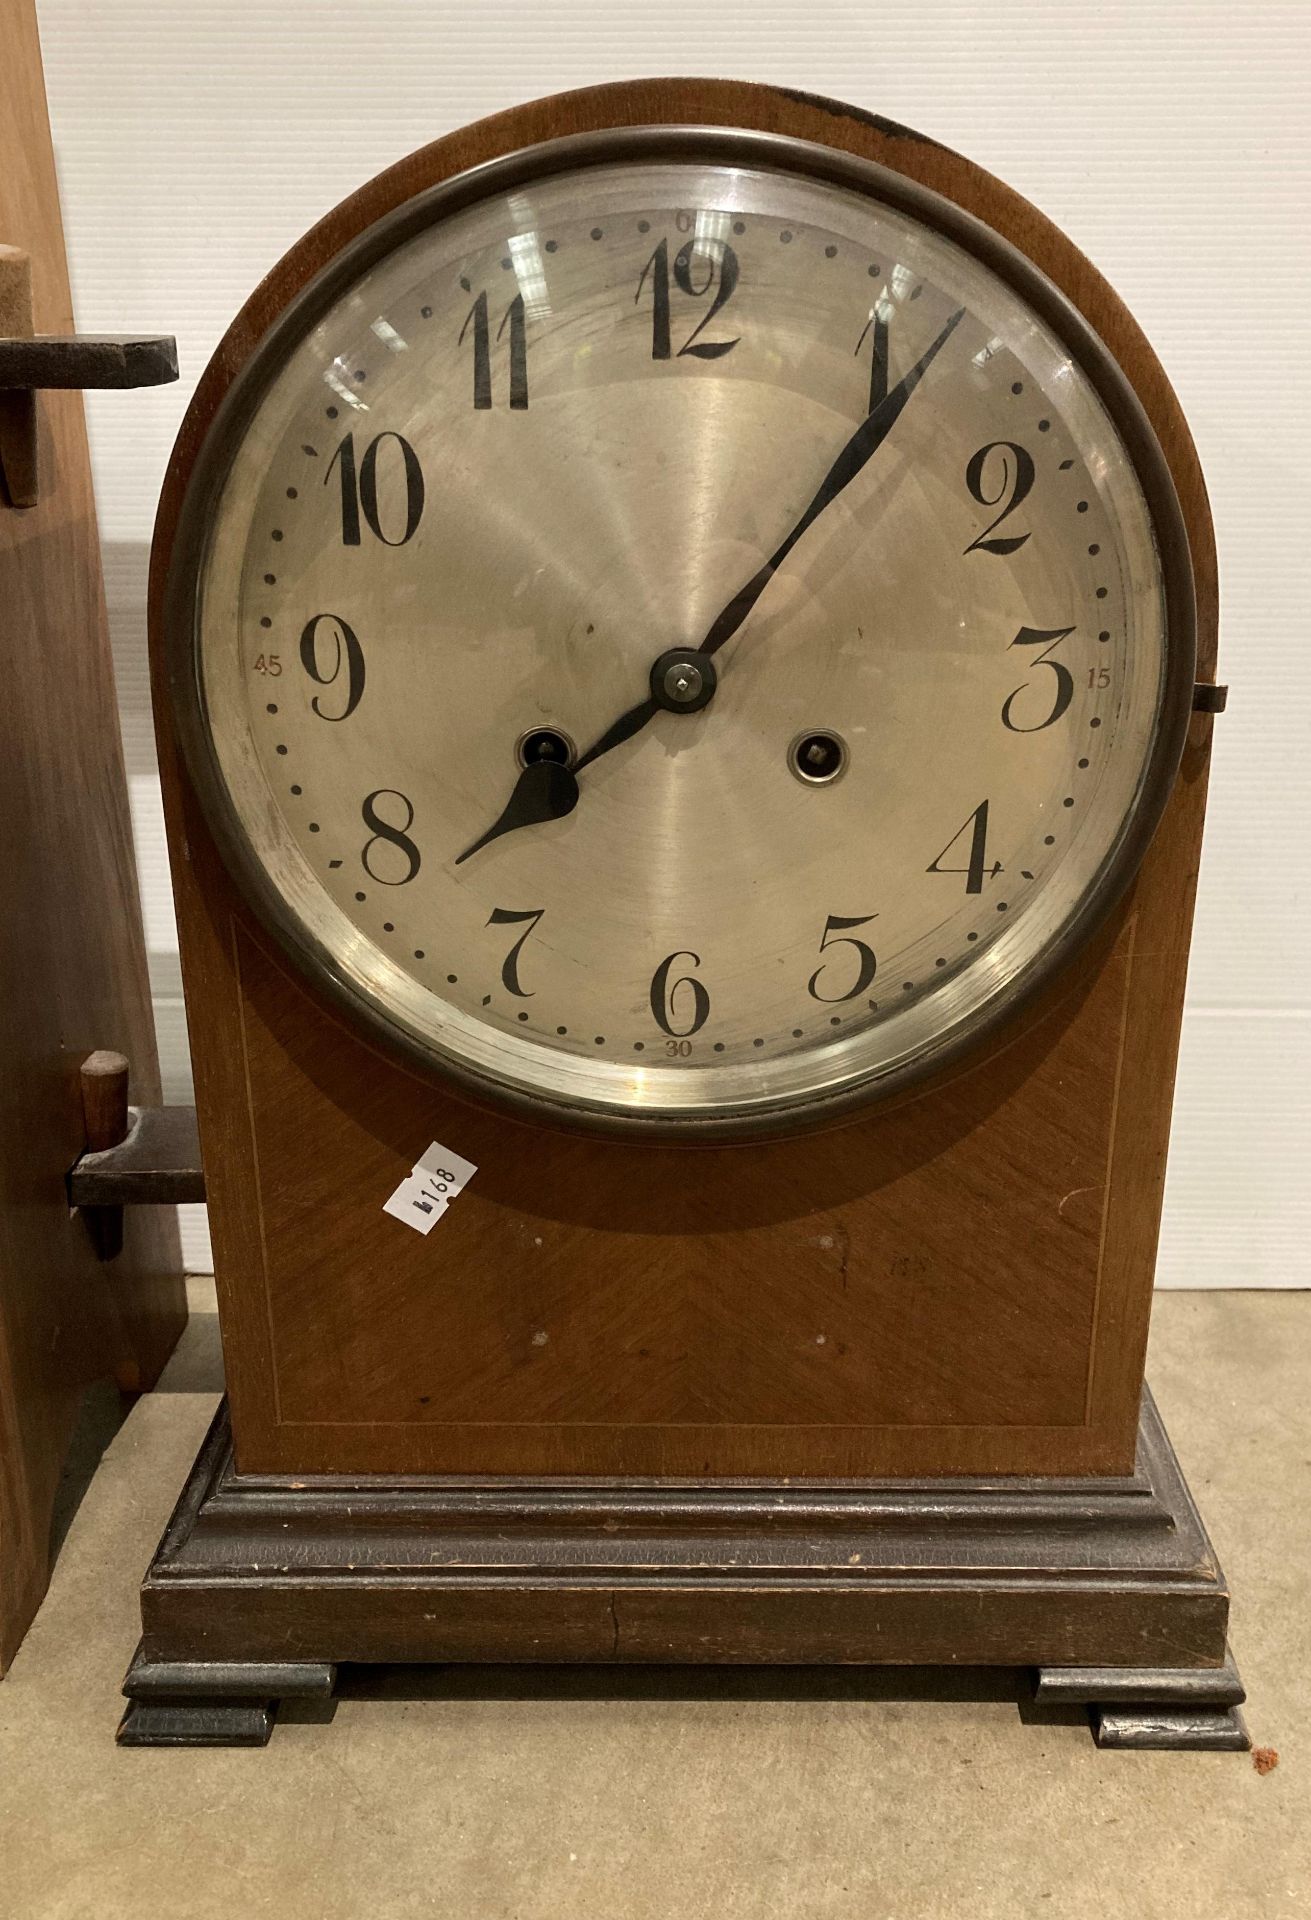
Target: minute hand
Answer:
[[863, 444]]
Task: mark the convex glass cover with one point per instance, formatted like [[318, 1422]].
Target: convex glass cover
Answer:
[[678, 637]]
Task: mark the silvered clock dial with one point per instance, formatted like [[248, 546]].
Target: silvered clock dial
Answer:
[[681, 630]]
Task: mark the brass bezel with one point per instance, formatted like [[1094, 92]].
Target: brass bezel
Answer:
[[711, 144]]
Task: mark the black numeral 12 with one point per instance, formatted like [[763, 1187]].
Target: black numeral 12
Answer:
[[721, 266]]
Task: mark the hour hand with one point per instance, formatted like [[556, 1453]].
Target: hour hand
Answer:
[[545, 790], [548, 790]]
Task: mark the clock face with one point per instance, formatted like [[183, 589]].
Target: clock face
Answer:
[[680, 639]]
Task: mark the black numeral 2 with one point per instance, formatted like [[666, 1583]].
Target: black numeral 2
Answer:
[[1014, 476]]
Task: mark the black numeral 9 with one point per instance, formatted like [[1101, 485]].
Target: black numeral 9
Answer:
[[347, 652]]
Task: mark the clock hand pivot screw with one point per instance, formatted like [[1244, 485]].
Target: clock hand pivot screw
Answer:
[[683, 680]]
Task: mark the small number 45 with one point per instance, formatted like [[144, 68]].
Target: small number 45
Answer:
[[270, 663]]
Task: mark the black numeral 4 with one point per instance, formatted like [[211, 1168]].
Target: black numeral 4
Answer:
[[976, 868]]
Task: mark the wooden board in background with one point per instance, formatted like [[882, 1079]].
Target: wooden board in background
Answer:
[[72, 953]]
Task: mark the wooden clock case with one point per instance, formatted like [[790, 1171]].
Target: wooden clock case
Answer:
[[870, 1394]]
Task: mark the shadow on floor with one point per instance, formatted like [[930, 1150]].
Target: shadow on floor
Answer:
[[101, 1414], [711, 1683]]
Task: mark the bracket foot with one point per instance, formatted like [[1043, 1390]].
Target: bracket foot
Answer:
[[197, 1723], [214, 1703], [1154, 1708]]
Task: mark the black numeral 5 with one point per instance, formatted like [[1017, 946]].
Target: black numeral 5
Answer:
[[837, 934]]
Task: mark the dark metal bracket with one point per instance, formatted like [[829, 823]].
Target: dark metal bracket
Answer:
[[31, 363], [157, 1163], [135, 1156], [88, 360], [1208, 697]]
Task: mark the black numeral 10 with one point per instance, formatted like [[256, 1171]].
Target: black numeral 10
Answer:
[[360, 490]]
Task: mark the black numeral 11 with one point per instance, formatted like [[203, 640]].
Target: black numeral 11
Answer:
[[478, 324]]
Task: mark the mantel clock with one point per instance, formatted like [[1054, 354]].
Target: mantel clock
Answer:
[[678, 620]]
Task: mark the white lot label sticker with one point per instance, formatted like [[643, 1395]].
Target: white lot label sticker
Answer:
[[436, 1178]]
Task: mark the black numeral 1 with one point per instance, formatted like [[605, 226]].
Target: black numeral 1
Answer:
[[879, 376]]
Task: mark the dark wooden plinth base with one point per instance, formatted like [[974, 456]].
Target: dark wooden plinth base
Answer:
[[260, 1587]]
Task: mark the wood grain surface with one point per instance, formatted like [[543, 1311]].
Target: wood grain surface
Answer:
[[1112, 1573], [72, 956], [956, 1284]]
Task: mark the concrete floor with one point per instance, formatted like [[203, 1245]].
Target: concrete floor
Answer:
[[497, 1794]]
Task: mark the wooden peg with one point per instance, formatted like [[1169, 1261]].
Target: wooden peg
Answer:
[[18, 456], [104, 1099], [105, 1119]]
